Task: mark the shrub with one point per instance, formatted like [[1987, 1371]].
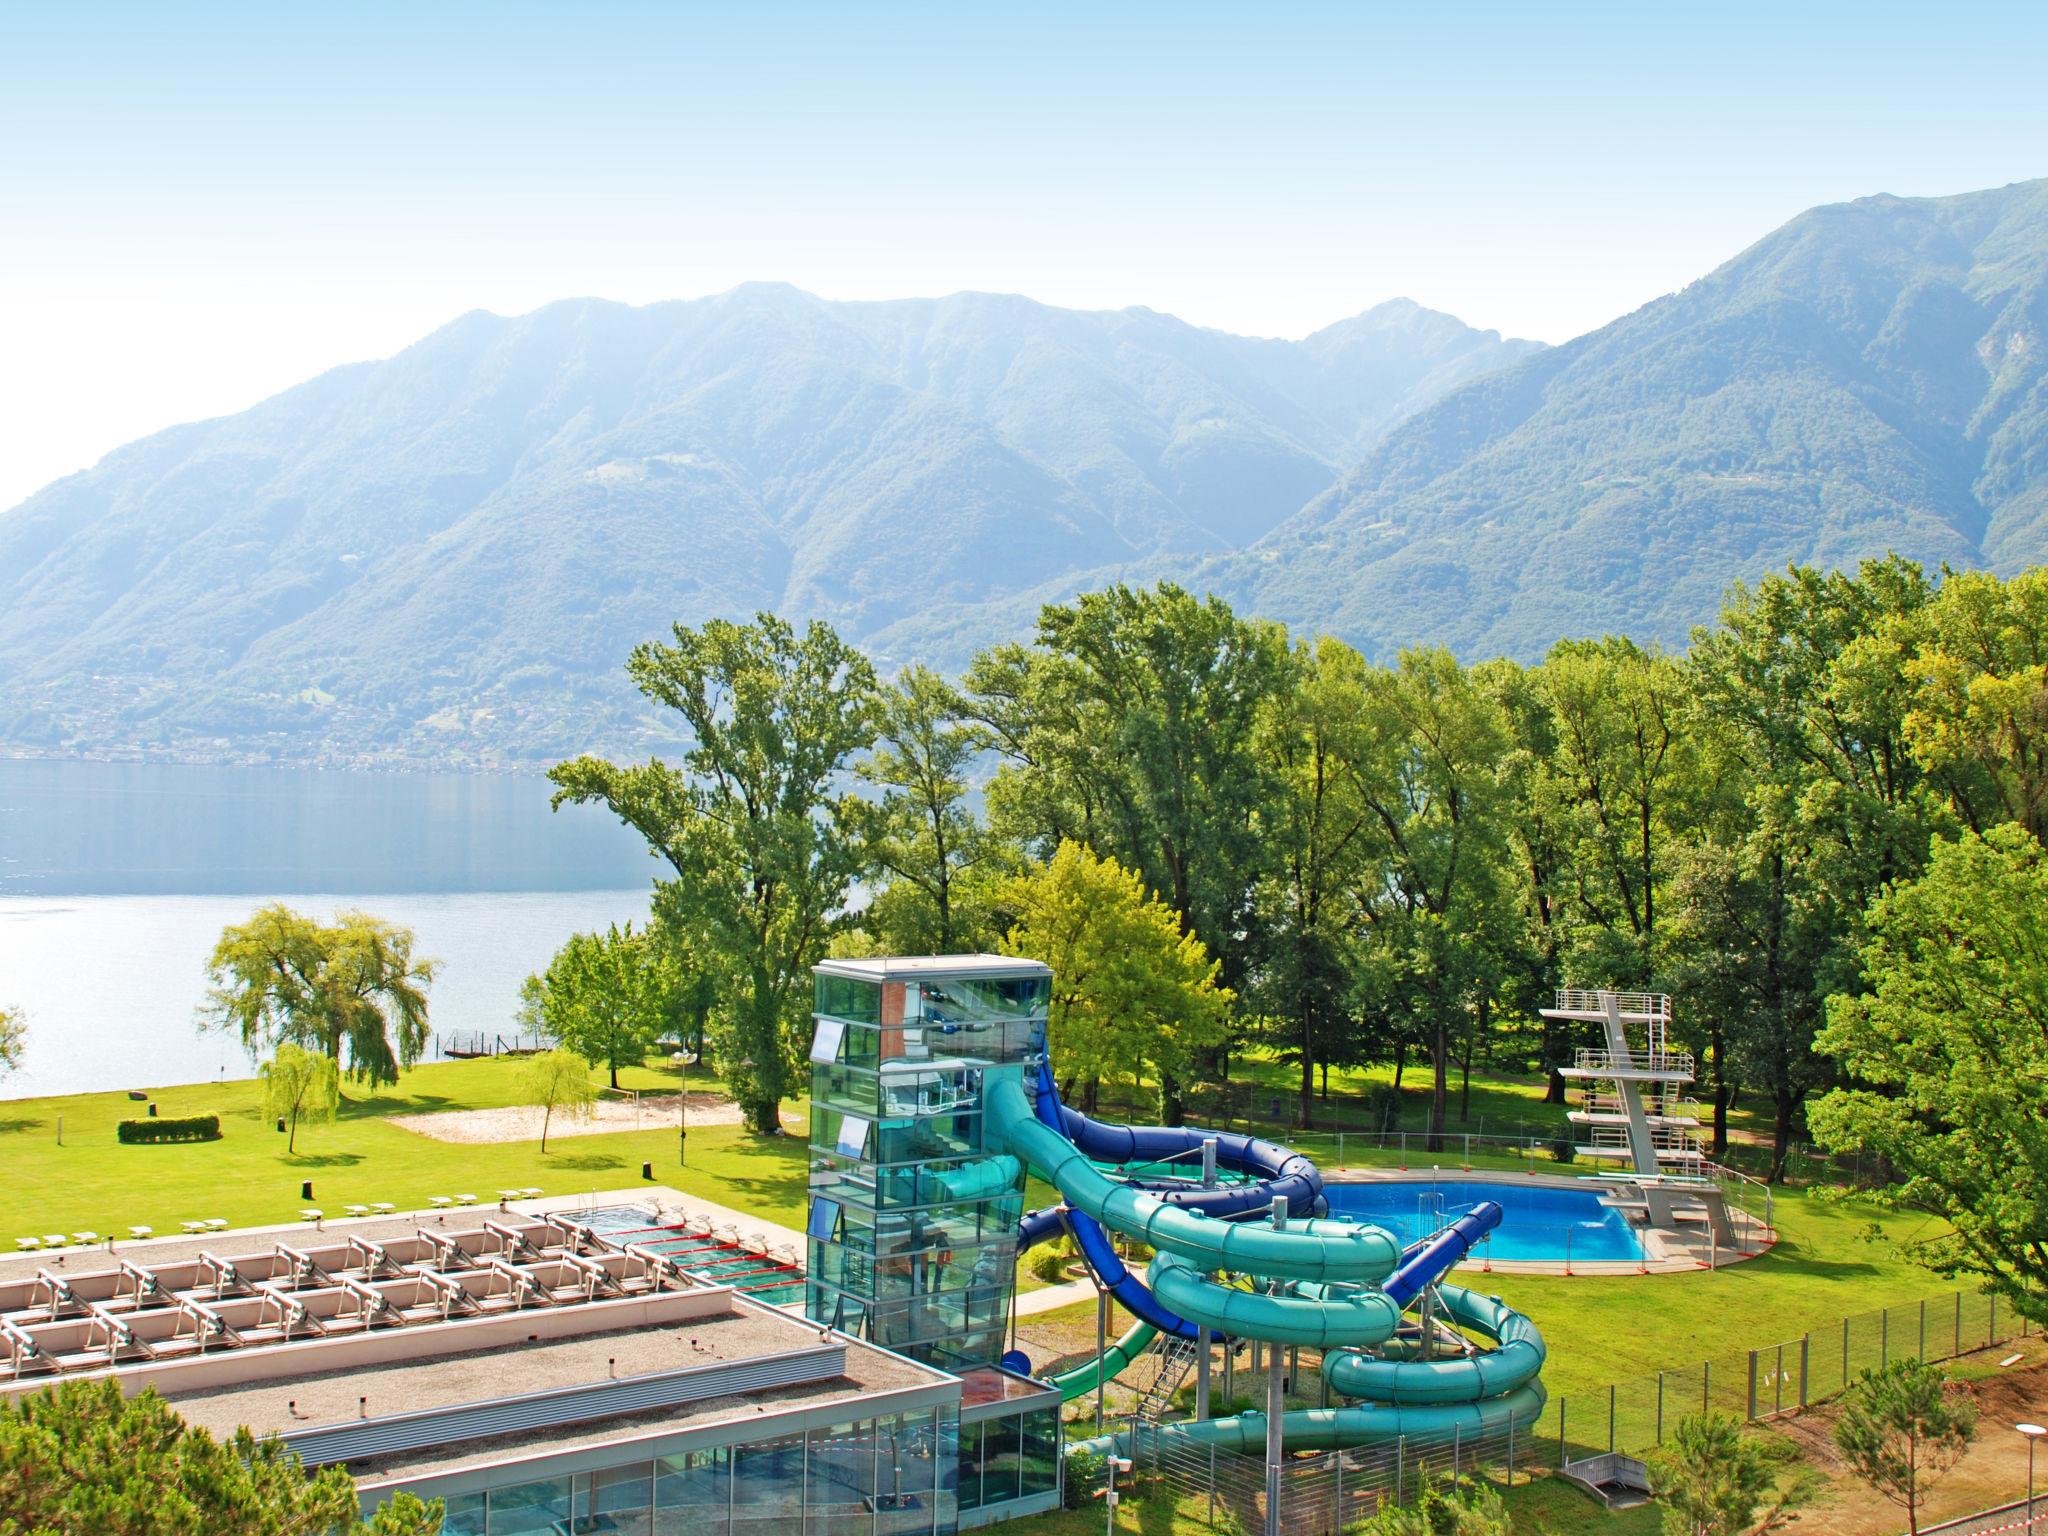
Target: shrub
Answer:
[[190, 1128], [1562, 1148], [1086, 1472], [1048, 1264]]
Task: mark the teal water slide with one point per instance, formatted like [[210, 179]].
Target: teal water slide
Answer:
[[1337, 1286]]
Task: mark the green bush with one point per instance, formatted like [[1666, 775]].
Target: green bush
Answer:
[[1048, 1264], [190, 1128], [1562, 1148], [1086, 1472]]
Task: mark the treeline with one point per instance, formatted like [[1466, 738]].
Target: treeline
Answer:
[[1378, 859]]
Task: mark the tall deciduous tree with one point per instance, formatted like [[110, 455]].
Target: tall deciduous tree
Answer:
[[1903, 1427], [760, 846], [920, 835], [1432, 896], [1952, 1041], [299, 1082], [1979, 714], [350, 988], [13, 1039], [1133, 995], [1126, 727], [81, 1459], [1320, 832], [557, 1081], [608, 996]]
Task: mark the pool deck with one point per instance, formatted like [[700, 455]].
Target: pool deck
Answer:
[[1666, 1250]]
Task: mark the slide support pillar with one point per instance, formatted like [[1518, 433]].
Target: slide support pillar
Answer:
[[1208, 1162], [1203, 1351], [1276, 1407], [1101, 1349]]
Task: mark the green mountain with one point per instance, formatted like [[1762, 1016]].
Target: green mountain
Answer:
[[1869, 377], [446, 555]]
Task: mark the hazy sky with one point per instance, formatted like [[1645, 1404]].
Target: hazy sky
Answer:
[[201, 204]]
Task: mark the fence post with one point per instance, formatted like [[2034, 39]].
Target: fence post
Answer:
[[1778, 1383], [1957, 1354], [1805, 1349], [1511, 1450], [1923, 1332], [1340, 1492], [1991, 1334], [1706, 1385], [1750, 1417], [1212, 1483], [1562, 1458], [1660, 1408], [1400, 1469], [1845, 1353], [1884, 1337], [1610, 1418]]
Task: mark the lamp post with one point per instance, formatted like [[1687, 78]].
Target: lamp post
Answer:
[[682, 1060], [2033, 1432]]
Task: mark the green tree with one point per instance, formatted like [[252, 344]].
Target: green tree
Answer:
[[13, 1039], [1710, 1477], [1902, 1427], [1125, 727], [1133, 995], [299, 1082], [1952, 1045], [607, 996], [1432, 897], [1979, 713], [1448, 1506], [920, 835], [557, 1079], [1799, 701], [761, 849], [1320, 831], [350, 987], [80, 1459]]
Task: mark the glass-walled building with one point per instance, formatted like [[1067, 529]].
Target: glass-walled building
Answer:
[[913, 1213]]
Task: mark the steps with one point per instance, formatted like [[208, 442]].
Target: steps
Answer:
[[1173, 1359]]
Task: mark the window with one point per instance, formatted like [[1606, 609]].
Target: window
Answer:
[[767, 1487], [691, 1493], [530, 1509], [465, 1515], [615, 1500]]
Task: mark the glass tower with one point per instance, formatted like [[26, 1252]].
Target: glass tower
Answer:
[[913, 1220]]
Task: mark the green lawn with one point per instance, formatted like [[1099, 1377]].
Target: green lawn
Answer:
[[247, 1177]]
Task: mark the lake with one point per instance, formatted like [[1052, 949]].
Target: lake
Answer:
[[116, 878]]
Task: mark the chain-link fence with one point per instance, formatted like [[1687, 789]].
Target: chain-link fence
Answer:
[[1322, 1494]]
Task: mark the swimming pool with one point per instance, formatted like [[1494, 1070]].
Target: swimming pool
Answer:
[[1534, 1217]]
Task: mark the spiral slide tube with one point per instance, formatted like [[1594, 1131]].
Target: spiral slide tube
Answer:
[[1350, 1286]]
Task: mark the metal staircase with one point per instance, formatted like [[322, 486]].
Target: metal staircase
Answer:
[[1173, 1358]]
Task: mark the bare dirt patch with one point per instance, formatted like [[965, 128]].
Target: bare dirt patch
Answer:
[[522, 1122]]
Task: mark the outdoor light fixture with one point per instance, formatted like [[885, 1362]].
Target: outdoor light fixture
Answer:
[[2033, 1432]]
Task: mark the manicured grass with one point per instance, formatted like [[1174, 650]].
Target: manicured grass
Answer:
[[248, 1178]]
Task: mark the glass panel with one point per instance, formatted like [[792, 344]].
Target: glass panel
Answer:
[[691, 1492], [1041, 1451], [841, 1481], [843, 997], [530, 1509], [1002, 1460], [767, 1486], [970, 1466], [614, 1501], [465, 1515]]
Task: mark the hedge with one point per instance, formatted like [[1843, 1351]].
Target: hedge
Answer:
[[191, 1128]]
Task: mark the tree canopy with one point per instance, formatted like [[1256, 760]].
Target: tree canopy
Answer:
[[609, 996], [757, 836], [80, 1459], [298, 1082], [351, 989]]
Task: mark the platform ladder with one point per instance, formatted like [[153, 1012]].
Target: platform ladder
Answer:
[[1174, 1357]]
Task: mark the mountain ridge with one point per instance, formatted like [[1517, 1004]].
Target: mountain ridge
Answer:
[[449, 551]]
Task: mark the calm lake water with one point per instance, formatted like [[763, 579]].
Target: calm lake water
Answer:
[[115, 880]]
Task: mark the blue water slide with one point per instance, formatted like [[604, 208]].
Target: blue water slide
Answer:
[[1275, 1170], [1422, 1264]]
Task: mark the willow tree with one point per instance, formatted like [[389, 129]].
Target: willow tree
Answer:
[[760, 846], [352, 989], [13, 1039]]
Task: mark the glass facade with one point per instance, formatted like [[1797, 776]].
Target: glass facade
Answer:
[[886, 1476], [1013, 1457], [913, 1220]]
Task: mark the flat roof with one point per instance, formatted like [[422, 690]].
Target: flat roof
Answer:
[[905, 967]]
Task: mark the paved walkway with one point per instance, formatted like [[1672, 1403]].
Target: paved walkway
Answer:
[[1052, 1297]]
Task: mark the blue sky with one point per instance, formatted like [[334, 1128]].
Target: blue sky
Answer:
[[201, 204]]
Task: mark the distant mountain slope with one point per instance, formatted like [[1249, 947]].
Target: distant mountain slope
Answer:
[[447, 554], [1869, 377]]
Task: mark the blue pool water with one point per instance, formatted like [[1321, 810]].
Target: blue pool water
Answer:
[[1534, 1221]]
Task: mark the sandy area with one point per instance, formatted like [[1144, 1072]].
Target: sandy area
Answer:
[[608, 1116]]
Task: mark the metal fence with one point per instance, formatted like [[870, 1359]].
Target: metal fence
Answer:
[[2021, 1516], [1326, 1493], [1319, 1495], [1634, 1416]]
